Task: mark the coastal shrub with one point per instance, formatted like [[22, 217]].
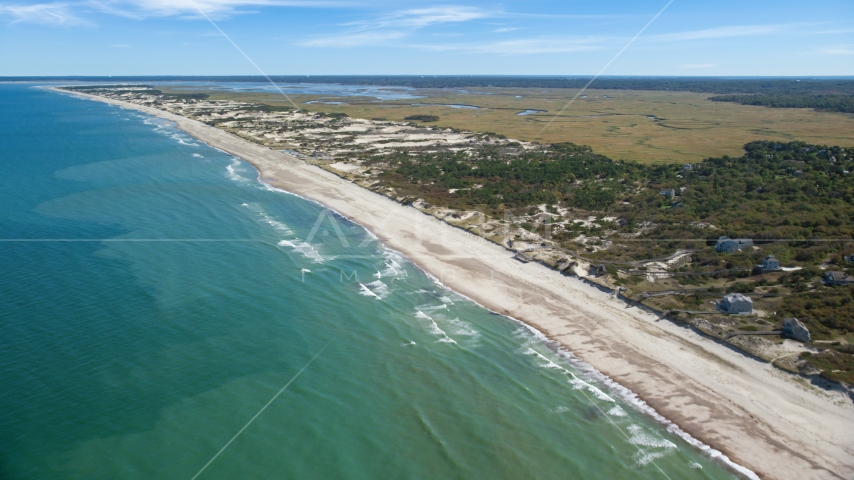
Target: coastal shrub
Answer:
[[422, 118]]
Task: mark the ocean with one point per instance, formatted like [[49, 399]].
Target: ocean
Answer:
[[165, 314]]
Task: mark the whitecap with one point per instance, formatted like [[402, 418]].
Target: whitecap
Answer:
[[644, 458], [379, 288], [617, 412], [463, 328], [367, 292], [431, 307], [641, 438], [231, 171], [434, 328]]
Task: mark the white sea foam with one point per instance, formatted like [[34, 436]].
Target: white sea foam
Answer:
[[431, 307], [463, 328], [642, 438], [304, 249], [393, 267], [183, 140], [576, 382], [231, 171], [279, 227], [305, 270], [617, 412], [198, 155], [367, 292], [434, 328], [643, 457], [379, 288]]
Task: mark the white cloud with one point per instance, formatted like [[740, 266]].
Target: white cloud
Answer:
[[525, 46], [834, 50], [69, 13], [424, 17], [354, 39], [734, 31], [722, 32], [390, 28], [190, 8], [44, 13]]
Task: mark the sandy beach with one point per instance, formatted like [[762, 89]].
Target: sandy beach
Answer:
[[773, 423]]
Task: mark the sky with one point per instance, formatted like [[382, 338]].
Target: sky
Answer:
[[380, 37]]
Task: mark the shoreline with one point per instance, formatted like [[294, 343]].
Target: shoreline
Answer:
[[769, 421]]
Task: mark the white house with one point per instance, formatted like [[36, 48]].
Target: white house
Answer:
[[667, 192], [736, 303], [770, 264], [729, 245]]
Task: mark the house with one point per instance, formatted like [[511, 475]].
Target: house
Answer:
[[729, 245], [668, 192], [687, 167], [770, 264], [849, 258], [792, 328], [736, 303], [837, 278]]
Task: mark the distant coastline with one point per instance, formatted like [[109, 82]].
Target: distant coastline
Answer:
[[716, 395]]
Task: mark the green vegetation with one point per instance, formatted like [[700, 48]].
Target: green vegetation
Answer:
[[148, 89], [835, 365], [829, 103], [825, 310], [795, 192], [423, 118]]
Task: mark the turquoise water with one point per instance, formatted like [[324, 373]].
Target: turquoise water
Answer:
[[163, 296]]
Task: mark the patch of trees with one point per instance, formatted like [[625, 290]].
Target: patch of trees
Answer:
[[795, 192], [830, 103], [423, 118]]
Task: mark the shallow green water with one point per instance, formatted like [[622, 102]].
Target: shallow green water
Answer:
[[162, 299]]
